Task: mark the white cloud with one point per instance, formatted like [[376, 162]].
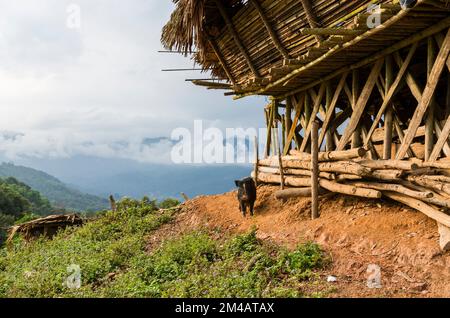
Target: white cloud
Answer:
[[76, 91]]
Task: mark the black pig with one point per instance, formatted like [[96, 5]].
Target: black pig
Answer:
[[246, 194]]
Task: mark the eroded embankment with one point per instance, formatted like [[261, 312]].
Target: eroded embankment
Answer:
[[356, 233]]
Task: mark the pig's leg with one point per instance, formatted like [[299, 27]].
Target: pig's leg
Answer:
[[252, 205], [242, 207]]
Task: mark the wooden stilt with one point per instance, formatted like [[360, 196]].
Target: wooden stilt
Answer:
[[330, 110], [426, 97], [356, 138], [429, 124], [313, 115], [315, 170], [269, 129], [388, 116], [447, 101], [256, 168], [361, 104], [329, 143], [391, 92]]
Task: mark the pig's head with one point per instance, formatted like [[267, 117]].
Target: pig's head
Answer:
[[242, 186]]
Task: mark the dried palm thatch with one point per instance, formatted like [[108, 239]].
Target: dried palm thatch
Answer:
[[47, 226], [189, 27]]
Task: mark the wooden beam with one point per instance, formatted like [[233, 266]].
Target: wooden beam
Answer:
[[441, 141], [288, 122], [391, 92], [276, 41], [329, 31], [311, 17], [331, 108], [235, 36], [361, 104], [313, 115], [315, 170], [373, 152], [440, 40], [371, 59], [447, 100], [329, 142], [429, 124], [426, 97], [291, 134], [417, 93], [388, 116], [356, 138], [269, 129], [221, 59]]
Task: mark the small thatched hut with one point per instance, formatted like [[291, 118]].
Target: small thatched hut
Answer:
[[47, 226]]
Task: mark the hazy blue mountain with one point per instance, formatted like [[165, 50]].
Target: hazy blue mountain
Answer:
[[123, 177], [59, 194]]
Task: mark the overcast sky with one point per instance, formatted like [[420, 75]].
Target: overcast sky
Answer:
[[98, 89]]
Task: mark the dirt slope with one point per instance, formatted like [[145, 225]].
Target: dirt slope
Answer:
[[356, 233]]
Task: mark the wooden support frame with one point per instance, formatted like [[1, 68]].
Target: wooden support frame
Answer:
[[429, 124], [388, 116], [427, 96], [331, 108], [391, 92], [361, 104], [313, 115], [293, 128]]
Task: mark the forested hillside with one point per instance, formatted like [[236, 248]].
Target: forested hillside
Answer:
[[59, 194], [18, 200]]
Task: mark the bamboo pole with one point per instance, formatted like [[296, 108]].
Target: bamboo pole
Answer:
[[361, 104], [420, 206], [296, 172], [293, 193], [429, 124], [311, 16], [426, 97], [388, 117], [235, 35], [332, 155], [256, 147], [356, 138], [315, 170], [276, 41]]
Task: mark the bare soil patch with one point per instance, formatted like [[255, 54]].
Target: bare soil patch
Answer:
[[355, 232]]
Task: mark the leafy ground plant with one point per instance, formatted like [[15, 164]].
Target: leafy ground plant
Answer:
[[111, 256]]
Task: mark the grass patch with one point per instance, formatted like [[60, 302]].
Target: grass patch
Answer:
[[111, 255]]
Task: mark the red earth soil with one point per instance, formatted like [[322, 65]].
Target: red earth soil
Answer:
[[354, 232]]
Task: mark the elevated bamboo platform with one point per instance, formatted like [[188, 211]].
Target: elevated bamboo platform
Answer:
[[383, 88]]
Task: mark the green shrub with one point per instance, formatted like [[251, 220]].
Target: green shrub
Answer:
[[111, 253], [245, 243], [169, 203]]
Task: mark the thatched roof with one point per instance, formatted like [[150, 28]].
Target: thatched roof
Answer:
[[189, 26], [44, 226], [262, 67]]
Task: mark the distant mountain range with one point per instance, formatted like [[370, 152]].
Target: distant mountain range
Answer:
[[66, 181], [59, 194]]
